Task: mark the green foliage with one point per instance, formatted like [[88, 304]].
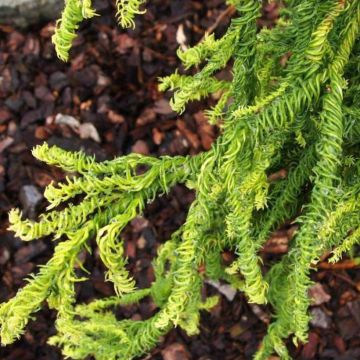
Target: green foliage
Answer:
[[293, 102], [77, 10], [74, 13], [127, 10]]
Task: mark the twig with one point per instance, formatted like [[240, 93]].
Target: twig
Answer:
[[347, 280], [230, 11], [344, 265]]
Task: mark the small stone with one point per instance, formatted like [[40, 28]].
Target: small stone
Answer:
[[339, 344], [88, 131], [158, 136], [139, 224], [225, 289], [30, 117], [43, 93], [47, 31], [29, 99], [20, 271], [319, 318], [181, 37], [15, 40], [130, 249], [12, 129], [86, 77], [42, 133], [348, 328], [4, 255], [32, 46], [260, 313], [277, 244], [175, 351], [205, 130], [5, 143], [354, 307], [163, 107], [318, 294], [103, 80], [191, 137], [14, 103], [309, 350], [136, 317], [124, 43], [149, 236], [5, 115], [61, 119], [146, 117], [141, 147], [58, 80], [30, 197], [141, 243], [279, 175], [27, 253], [115, 118], [236, 330]]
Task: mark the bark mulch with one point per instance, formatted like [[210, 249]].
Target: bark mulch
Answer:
[[105, 101]]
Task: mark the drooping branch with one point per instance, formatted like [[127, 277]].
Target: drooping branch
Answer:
[[302, 117]]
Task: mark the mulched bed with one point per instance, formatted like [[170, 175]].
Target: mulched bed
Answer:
[[106, 102]]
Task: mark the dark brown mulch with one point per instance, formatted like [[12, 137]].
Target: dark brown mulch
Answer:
[[109, 89]]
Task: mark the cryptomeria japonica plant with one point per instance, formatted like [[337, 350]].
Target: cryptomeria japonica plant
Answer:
[[293, 102]]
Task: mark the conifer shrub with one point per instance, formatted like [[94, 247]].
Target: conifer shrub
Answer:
[[293, 102]]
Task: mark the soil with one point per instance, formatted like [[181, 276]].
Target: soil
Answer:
[[105, 101]]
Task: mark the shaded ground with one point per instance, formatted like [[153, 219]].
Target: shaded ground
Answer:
[[110, 91]]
